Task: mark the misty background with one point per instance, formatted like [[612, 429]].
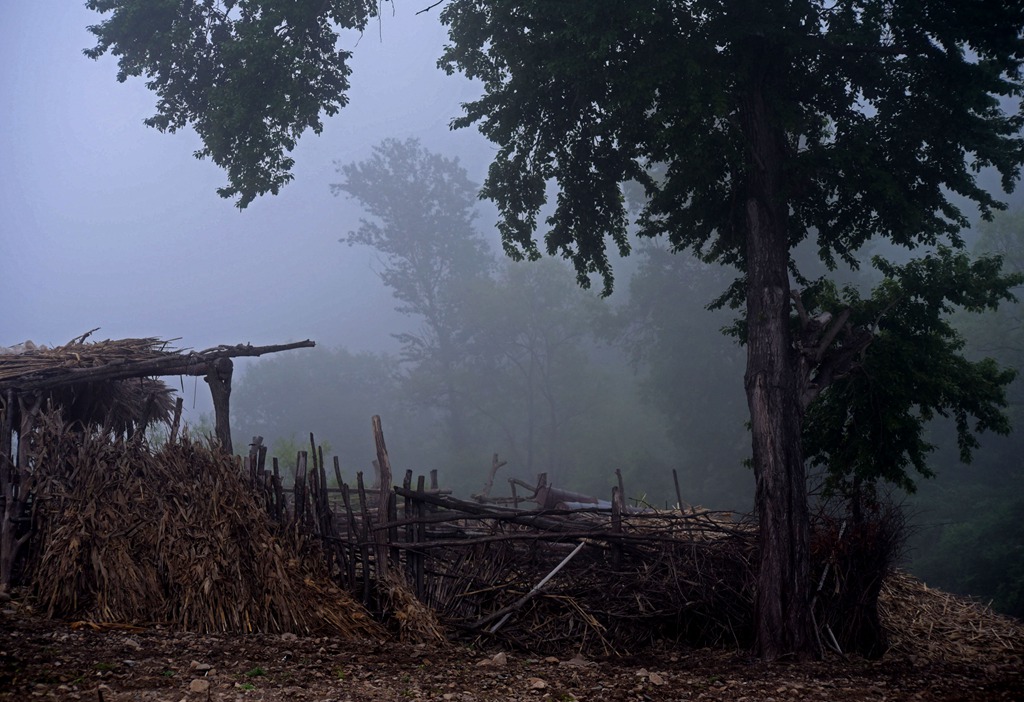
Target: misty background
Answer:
[[110, 224]]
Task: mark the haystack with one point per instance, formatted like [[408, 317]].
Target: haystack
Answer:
[[126, 534]]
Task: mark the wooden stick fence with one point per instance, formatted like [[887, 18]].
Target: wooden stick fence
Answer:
[[456, 556]]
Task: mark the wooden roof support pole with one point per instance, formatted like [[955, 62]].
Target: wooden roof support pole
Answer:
[[218, 377], [7, 434], [7, 485], [15, 477]]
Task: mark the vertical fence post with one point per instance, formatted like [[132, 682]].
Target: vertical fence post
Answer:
[[352, 538], [300, 487], [616, 527], [420, 537], [364, 539]]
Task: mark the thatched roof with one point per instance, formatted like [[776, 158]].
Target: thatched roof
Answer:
[[26, 363], [34, 368]]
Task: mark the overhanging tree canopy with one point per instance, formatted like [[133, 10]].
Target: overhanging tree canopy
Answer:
[[249, 75]]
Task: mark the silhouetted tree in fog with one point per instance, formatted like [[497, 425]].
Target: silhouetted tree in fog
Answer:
[[421, 208], [532, 374]]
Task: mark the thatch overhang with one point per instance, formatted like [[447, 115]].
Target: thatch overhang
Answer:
[[80, 361], [33, 371]]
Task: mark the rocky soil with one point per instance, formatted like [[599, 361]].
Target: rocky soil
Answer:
[[49, 660]]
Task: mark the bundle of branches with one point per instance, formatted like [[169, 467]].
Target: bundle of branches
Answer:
[[466, 583], [686, 577], [414, 621], [853, 551], [698, 590], [128, 535]]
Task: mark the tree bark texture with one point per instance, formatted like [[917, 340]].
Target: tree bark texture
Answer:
[[782, 607]]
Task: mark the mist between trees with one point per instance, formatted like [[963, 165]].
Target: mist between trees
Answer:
[[512, 357]]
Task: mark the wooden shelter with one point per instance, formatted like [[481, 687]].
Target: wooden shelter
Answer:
[[80, 374]]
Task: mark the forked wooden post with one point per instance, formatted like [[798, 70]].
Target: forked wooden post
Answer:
[[218, 377]]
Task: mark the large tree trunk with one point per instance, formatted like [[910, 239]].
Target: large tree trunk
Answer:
[[782, 610]]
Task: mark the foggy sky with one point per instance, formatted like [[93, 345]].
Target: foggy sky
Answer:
[[109, 223]]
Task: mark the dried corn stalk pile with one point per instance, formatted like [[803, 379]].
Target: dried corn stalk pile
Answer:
[[125, 534], [935, 626]]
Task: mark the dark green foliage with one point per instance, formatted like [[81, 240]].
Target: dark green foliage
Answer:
[[870, 424], [981, 554], [887, 110], [249, 75], [969, 540], [880, 104]]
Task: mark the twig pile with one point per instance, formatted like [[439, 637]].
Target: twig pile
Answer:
[[654, 576], [128, 535]]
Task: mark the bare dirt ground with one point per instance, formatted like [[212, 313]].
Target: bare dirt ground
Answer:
[[50, 660]]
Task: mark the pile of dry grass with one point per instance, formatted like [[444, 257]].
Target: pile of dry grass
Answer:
[[414, 621], [126, 534], [935, 626]]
